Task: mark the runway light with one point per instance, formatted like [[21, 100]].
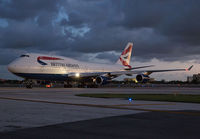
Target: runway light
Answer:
[[77, 75]]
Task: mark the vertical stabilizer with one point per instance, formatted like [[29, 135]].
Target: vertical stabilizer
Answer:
[[125, 57]]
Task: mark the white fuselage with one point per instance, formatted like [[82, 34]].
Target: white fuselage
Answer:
[[36, 66]]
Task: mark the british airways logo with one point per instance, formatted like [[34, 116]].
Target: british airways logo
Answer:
[[41, 58], [125, 57], [125, 63]]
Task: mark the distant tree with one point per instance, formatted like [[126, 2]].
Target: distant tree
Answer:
[[163, 81], [194, 81]]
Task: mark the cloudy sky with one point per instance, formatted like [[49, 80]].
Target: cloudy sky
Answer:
[[165, 33]]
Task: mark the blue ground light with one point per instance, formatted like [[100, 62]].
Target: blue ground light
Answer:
[[130, 99]]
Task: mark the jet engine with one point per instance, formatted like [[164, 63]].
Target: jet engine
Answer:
[[100, 80], [142, 78]]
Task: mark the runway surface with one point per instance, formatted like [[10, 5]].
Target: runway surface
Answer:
[[29, 110], [141, 125]]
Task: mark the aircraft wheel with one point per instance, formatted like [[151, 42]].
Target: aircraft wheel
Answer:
[[67, 86], [29, 86], [82, 86], [93, 86]]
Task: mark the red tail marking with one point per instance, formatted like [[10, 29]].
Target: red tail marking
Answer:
[[124, 63], [127, 50]]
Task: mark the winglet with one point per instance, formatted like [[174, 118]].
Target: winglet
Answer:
[[189, 68]]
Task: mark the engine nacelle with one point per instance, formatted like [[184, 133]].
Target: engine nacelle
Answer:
[[142, 78], [100, 80]]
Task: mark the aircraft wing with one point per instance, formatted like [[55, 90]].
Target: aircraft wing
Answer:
[[123, 72], [148, 72], [139, 67]]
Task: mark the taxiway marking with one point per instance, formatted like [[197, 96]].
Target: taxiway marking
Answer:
[[144, 104], [102, 106]]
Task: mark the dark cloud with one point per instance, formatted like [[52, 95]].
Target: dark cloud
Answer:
[[63, 22], [75, 19], [6, 56], [178, 20], [23, 9], [167, 30], [28, 35], [111, 56]]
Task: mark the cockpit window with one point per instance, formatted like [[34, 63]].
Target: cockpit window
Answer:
[[24, 56]]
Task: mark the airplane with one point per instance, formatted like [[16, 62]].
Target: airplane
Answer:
[[35, 66]]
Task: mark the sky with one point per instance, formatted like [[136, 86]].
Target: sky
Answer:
[[164, 33]]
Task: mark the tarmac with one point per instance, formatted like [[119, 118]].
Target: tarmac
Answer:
[[58, 113]]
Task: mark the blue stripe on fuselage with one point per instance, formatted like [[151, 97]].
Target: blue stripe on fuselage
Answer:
[[39, 76], [41, 62]]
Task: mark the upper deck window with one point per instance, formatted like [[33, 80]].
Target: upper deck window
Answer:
[[24, 56]]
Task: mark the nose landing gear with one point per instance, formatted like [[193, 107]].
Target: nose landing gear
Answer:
[[28, 84]]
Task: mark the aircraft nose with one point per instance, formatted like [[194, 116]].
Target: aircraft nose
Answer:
[[11, 67]]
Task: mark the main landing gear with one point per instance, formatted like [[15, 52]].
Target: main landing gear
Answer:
[[67, 85], [28, 84]]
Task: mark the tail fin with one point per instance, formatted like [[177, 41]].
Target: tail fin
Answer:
[[125, 57]]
